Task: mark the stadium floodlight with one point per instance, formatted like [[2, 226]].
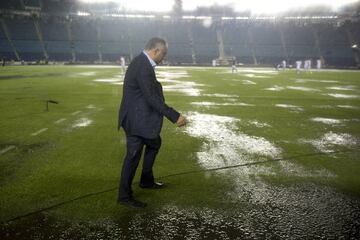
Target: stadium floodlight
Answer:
[[242, 18], [188, 17], [81, 13], [355, 46], [227, 18], [203, 17]]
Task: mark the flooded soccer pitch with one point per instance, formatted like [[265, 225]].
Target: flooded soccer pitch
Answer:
[[296, 212], [265, 155]]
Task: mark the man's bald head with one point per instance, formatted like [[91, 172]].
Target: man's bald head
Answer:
[[156, 48]]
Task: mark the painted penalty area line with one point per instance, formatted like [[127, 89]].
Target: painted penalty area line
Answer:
[[40, 131], [8, 148]]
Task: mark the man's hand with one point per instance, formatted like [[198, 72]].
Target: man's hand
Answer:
[[181, 121]]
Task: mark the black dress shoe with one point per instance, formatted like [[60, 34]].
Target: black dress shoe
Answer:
[[155, 185], [133, 203]]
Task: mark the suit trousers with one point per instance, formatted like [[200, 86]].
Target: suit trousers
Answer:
[[134, 148]]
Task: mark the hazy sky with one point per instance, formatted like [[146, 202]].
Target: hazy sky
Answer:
[[256, 6]]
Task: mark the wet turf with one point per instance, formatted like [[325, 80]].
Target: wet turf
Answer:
[[266, 155]]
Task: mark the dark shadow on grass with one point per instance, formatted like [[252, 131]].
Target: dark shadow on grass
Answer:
[[179, 174], [45, 75]]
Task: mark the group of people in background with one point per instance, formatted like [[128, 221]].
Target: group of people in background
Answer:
[[307, 65], [299, 64]]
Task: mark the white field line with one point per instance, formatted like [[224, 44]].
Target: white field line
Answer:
[[60, 120], [40, 131], [74, 113], [8, 148]]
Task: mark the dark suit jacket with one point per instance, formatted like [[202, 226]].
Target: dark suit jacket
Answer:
[[143, 104]]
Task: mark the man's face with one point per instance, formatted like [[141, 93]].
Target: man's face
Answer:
[[160, 53]]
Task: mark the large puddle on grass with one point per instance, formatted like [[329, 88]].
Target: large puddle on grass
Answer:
[[339, 95], [301, 88], [264, 71], [330, 141], [86, 74], [210, 104], [291, 107], [115, 81], [329, 121], [342, 88], [171, 84], [348, 106], [224, 145], [252, 209], [294, 212], [314, 80], [275, 88], [82, 122]]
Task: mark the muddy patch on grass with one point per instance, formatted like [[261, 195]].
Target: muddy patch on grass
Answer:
[[14, 155], [23, 148]]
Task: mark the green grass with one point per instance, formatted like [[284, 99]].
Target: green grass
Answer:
[[64, 163]]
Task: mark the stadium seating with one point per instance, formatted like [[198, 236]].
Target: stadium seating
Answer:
[[112, 38]]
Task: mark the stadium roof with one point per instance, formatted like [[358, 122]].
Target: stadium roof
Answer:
[[253, 6], [239, 10]]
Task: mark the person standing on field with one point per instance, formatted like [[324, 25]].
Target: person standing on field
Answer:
[[141, 116]]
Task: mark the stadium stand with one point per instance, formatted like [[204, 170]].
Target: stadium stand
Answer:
[[86, 38]]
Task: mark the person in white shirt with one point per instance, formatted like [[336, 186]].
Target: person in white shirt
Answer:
[[233, 66], [298, 66], [214, 62], [318, 64], [122, 63]]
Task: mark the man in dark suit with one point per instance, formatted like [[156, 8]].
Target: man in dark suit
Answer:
[[141, 116]]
